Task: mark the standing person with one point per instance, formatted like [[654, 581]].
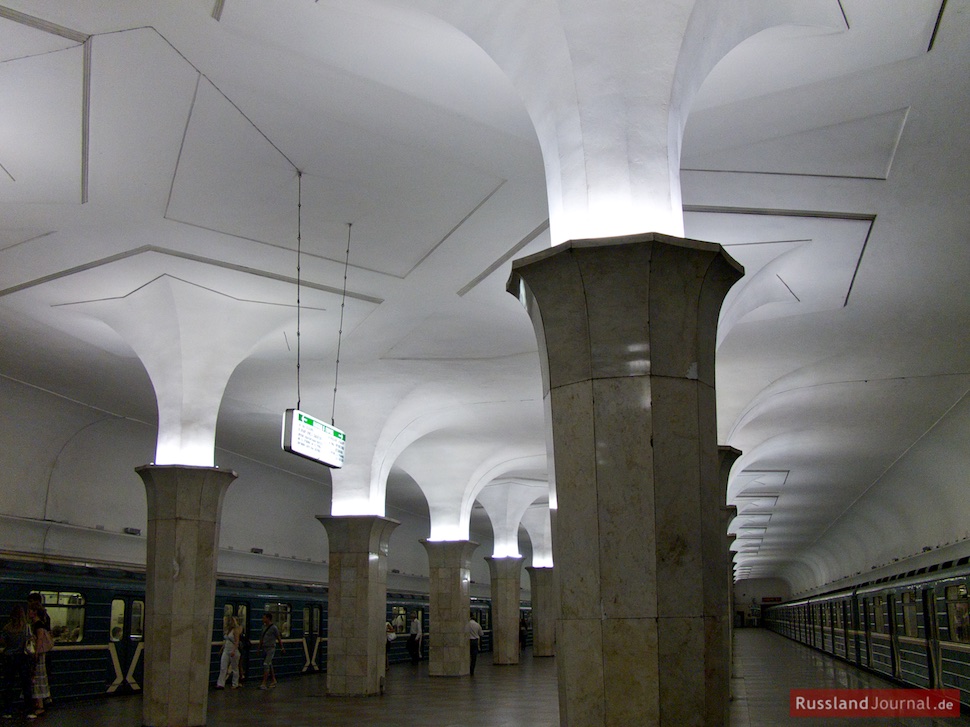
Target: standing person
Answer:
[[16, 662], [475, 636], [414, 639], [244, 646], [268, 641], [39, 686], [230, 653], [36, 600], [391, 635]]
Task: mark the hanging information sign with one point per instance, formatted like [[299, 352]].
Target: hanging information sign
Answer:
[[312, 438]]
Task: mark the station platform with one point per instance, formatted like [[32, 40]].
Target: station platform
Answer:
[[766, 667]]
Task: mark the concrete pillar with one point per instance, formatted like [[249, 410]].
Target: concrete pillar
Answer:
[[184, 507], [357, 603], [545, 610], [506, 576], [719, 662], [730, 513], [450, 568], [626, 329]]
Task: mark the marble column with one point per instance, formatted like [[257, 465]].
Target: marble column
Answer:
[[626, 330], [357, 603], [718, 662], [184, 507], [730, 513], [450, 569], [506, 576], [545, 610]]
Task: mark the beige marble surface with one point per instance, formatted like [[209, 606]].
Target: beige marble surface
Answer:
[[357, 602], [184, 508], [626, 335], [724, 608], [450, 569], [545, 610], [506, 575]]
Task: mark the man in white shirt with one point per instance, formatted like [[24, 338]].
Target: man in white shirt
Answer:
[[475, 636], [414, 639]]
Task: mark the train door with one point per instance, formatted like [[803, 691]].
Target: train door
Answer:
[[855, 623], [126, 644], [865, 621], [239, 610], [483, 615], [883, 656], [840, 646], [845, 617], [892, 601], [912, 646], [932, 625], [827, 627], [312, 636]]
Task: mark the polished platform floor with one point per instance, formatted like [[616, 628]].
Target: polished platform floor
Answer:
[[766, 667]]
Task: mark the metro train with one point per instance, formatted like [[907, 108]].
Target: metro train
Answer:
[[913, 629], [98, 623]]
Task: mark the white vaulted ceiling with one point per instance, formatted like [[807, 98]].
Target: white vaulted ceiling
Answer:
[[147, 144]]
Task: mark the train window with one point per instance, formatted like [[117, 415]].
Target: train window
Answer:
[[242, 614], [909, 614], [281, 617], [399, 619], [137, 621], [311, 619], [66, 611], [958, 611], [838, 615], [117, 620]]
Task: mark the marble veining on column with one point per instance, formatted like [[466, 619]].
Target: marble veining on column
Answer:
[[545, 610], [357, 601], [626, 331], [450, 568], [184, 509], [506, 574]]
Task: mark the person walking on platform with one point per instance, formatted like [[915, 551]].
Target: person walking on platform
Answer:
[[475, 636], [414, 639], [268, 640]]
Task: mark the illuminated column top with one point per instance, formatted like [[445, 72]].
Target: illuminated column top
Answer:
[[178, 330]]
